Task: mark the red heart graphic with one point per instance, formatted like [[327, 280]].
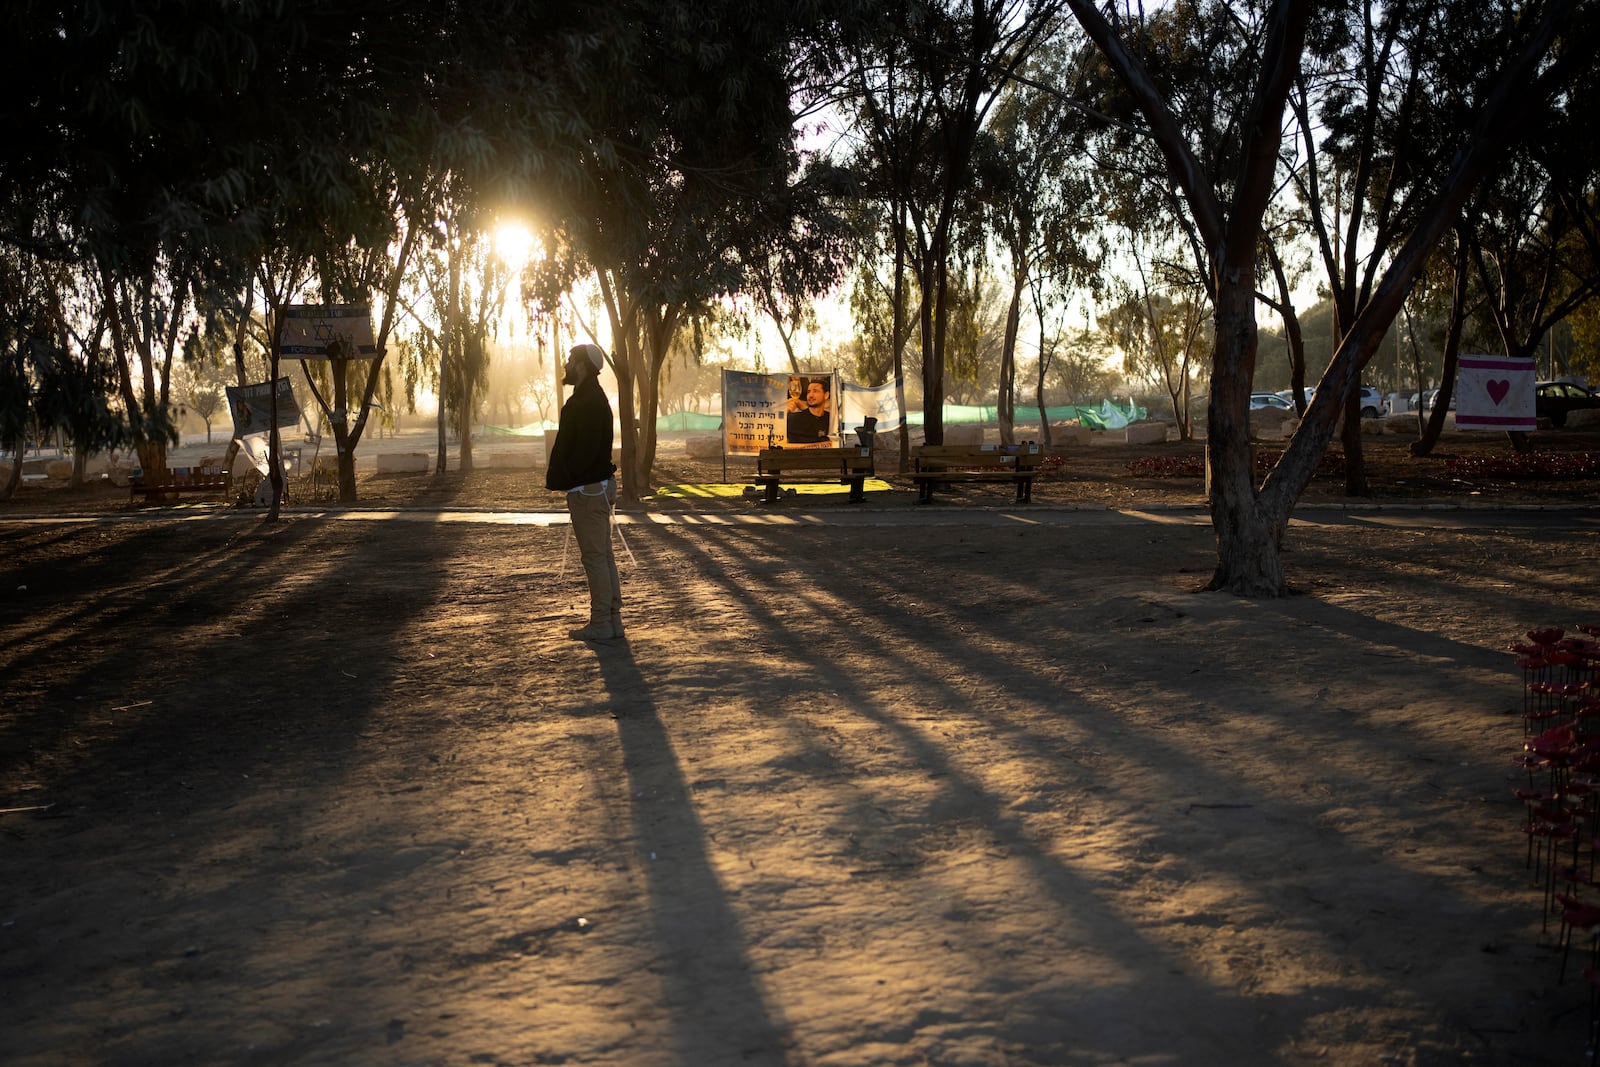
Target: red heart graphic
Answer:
[[1498, 390]]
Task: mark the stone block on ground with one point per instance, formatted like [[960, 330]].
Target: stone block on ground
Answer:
[[1588, 419], [1070, 433], [704, 446], [1147, 433], [963, 434], [402, 462]]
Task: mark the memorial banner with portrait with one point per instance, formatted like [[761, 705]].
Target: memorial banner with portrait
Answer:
[[778, 410], [251, 407]]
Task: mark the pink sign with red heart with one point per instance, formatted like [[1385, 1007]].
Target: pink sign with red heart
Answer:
[[1494, 393]]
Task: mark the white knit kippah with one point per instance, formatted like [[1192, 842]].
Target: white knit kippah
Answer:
[[593, 354]]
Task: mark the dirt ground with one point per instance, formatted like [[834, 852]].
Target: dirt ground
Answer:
[[877, 784]]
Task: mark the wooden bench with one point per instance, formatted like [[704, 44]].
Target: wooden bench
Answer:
[[205, 481], [936, 465], [847, 466]]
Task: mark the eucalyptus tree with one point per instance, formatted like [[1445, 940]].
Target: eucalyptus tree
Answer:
[[1533, 238], [924, 85], [1040, 205], [975, 328], [892, 124], [75, 375], [465, 282], [1371, 107], [1227, 200], [23, 340], [687, 178], [806, 252], [123, 128], [883, 322], [53, 365], [1160, 326], [1449, 272]]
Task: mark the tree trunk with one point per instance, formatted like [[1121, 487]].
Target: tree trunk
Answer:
[[1433, 425], [1249, 538], [931, 312], [897, 333], [1038, 396], [14, 476], [1355, 468], [1006, 401], [342, 440], [241, 378], [469, 402], [1292, 335], [449, 351]]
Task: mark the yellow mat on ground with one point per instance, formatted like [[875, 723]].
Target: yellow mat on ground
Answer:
[[726, 489]]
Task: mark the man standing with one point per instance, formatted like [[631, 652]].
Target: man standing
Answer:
[[581, 467]]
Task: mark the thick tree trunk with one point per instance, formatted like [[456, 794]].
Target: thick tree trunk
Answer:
[[464, 449], [342, 438], [897, 335], [1249, 535], [932, 312], [14, 476], [1433, 424], [1355, 468], [1006, 401]]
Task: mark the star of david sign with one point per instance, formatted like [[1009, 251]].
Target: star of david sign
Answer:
[[322, 330]]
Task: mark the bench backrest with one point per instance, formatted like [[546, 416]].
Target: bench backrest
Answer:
[[1025, 456], [181, 476], [851, 460]]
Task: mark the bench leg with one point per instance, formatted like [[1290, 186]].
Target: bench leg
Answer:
[[857, 490], [772, 492]]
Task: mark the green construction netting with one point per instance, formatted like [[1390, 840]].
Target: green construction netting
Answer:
[[689, 420], [1102, 416]]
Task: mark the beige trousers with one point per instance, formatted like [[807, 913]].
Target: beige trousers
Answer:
[[590, 509]]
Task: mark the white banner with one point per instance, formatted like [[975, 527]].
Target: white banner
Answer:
[[327, 331], [256, 449], [1494, 393], [879, 401]]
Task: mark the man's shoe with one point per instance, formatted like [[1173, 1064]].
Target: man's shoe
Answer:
[[616, 627], [595, 631]]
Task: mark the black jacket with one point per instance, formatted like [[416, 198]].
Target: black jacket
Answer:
[[582, 452]]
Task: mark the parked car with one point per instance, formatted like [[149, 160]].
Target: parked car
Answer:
[[1424, 400], [1553, 400], [1259, 401], [1372, 402]]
